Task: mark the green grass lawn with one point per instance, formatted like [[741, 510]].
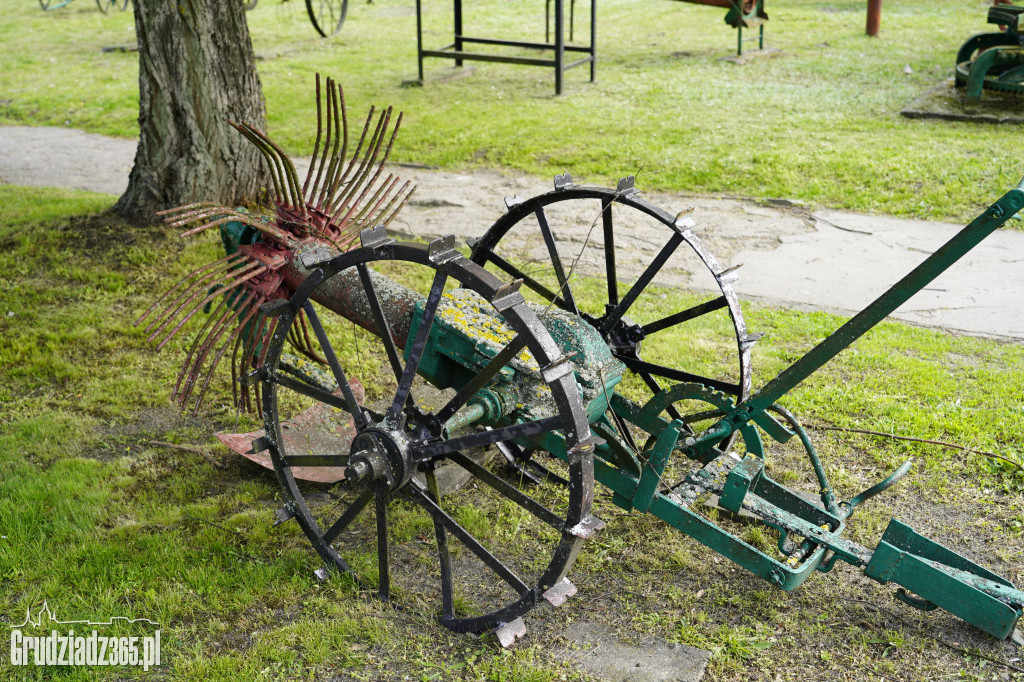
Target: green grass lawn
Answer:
[[98, 520], [818, 121]]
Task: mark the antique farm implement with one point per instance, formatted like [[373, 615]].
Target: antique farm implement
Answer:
[[994, 61], [388, 372]]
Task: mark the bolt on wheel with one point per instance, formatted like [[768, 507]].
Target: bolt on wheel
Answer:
[[386, 334]]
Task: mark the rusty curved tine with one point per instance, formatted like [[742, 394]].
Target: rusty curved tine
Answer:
[[339, 159], [223, 324], [380, 165], [355, 182], [372, 150], [387, 221], [276, 174], [226, 265], [238, 218], [185, 217], [322, 163], [337, 154], [319, 134], [288, 166], [251, 307], [339, 179], [180, 282], [361, 185], [241, 350], [378, 198], [247, 361], [186, 207], [249, 274], [203, 333]]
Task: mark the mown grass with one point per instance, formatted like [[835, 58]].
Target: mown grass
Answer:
[[818, 121], [99, 521]]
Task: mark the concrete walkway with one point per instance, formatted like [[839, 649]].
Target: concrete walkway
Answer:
[[828, 260]]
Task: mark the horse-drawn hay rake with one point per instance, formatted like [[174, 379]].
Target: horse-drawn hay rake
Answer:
[[386, 372]]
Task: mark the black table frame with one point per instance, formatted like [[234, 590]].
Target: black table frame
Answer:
[[557, 60]]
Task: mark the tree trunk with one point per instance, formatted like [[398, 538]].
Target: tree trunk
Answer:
[[197, 71]]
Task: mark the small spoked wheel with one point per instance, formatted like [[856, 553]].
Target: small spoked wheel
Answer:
[[386, 318], [107, 5], [327, 16], [621, 264]]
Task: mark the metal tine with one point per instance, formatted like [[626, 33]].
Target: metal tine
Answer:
[[253, 307], [289, 167], [387, 150], [332, 187], [337, 175], [249, 275], [276, 174], [174, 288], [327, 142], [203, 333], [223, 324], [243, 355], [337, 156], [185, 217], [398, 209], [380, 166], [227, 265], [319, 134], [310, 349], [269, 230], [364, 218], [356, 181], [186, 207]]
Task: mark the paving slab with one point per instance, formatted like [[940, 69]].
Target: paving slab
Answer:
[[602, 653], [819, 260]]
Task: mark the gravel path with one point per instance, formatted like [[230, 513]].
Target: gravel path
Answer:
[[823, 260]]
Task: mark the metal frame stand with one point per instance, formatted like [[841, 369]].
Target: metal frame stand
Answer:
[[558, 48]]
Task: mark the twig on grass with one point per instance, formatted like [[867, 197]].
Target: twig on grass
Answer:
[[941, 641], [202, 453], [964, 448]]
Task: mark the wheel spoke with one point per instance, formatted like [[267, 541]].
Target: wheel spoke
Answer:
[[471, 543], [505, 433], [416, 352], [503, 488], [641, 366], [383, 559], [308, 390], [685, 315], [609, 251], [641, 283], [529, 281], [378, 315], [443, 555], [482, 378], [556, 261], [332, 361], [350, 514]]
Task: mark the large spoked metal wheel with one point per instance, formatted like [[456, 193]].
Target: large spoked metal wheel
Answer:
[[327, 16], [618, 262], [486, 552]]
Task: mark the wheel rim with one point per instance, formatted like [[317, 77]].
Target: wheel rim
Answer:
[[327, 16], [483, 583]]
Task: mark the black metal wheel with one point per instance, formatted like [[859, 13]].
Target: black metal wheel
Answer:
[[497, 549], [327, 16], [577, 248], [107, 5]]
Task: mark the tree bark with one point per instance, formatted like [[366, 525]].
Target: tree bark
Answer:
[[197, 71]]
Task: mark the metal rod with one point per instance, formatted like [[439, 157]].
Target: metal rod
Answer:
[[950, 252]]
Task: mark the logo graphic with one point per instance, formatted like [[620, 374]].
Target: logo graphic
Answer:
[[69, 649]]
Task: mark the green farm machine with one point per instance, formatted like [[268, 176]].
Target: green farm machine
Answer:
[[403, 376]]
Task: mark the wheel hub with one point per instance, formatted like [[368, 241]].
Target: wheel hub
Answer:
[[379, 459]]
